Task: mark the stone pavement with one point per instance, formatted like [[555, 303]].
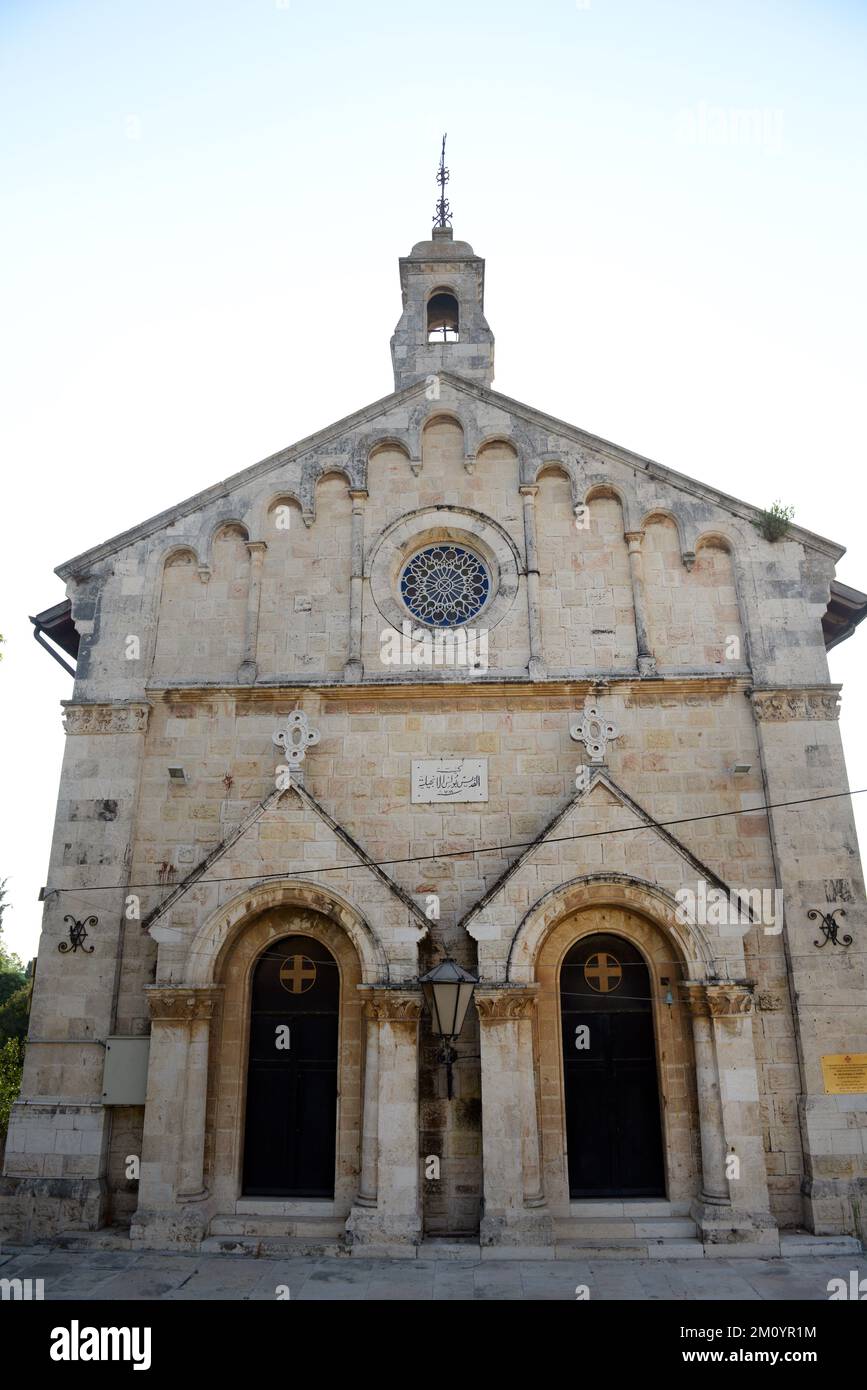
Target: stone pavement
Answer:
[[144, 1275]]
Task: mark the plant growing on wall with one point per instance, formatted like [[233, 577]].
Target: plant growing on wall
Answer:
[[775, 522]]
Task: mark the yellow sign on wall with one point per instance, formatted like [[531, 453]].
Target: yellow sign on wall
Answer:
[[845, 1073]]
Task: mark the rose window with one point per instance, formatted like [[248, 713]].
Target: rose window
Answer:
[[445, 585]]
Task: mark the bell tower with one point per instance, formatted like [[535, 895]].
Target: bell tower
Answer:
[[443, 325]]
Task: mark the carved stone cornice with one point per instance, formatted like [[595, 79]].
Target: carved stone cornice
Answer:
[[779, 706], [728, 1000], [172, 1004], [105, 719], [394, 1006], [504, 1005]]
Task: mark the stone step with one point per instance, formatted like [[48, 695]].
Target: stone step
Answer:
[[622, 1249], [265, 1227], [440, 1248], [107, 1239], [636, 1209], [794, 1243], [272, 1246], [615, 1228]]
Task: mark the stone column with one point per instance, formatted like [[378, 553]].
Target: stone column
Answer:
[[537, 661], [714, 1184], [513, 1200], [247, 670], [354, 670], [370, 1121], [173, 1145], [391, 1226], [646, 659], [731, 1129]]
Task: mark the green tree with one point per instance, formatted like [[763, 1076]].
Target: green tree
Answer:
[[12, 972], [14, 1014], [11, 1067]]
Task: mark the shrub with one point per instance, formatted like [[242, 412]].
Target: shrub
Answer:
[[775, 522]]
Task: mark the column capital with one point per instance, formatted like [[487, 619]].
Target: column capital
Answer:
[[257, 547], [633, 539], [504, 1005], [731, 999], [182, 1004], [358, 494], [528, 490], [393, 1005]]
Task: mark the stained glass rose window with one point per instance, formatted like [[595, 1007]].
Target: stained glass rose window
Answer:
[[445, 585]]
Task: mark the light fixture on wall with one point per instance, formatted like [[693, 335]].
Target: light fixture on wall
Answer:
[[742, 767], [448, 990], [177, 774]]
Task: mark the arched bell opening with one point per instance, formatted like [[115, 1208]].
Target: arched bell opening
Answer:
[[443, 318]]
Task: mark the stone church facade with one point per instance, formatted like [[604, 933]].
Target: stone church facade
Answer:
[[279, 809]]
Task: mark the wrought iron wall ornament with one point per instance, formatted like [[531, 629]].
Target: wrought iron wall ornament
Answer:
[[830, 928], [77, 934]]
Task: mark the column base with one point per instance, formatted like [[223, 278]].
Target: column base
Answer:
[[372, 1233], [532, 1227], [32, 1207], [247, 673], [835, 1207], [537, 670], [353, 672], [726, 1230], [183, 1228], [647, 666]]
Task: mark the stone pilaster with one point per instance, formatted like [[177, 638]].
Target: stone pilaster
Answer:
[[815, 850], [734, 1206], [354, 670], [248, 669], [56, 1155], [173, 1145], [646, 659], [537, 659], [514, 1205], [387, 1217]]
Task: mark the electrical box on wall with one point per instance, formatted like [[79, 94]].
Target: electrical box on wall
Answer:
[[124, 1080]]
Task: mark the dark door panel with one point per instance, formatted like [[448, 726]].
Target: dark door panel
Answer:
[[291, 1118], [613, 1133]]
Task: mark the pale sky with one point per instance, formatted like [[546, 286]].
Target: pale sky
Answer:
[[203, 207]]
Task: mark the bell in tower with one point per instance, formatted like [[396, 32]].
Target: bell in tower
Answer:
[[443, 326]]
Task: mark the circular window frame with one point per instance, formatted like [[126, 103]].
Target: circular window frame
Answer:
[[395, 548], [472, 553]]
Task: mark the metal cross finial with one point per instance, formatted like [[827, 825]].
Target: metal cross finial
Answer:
[[443, 216]]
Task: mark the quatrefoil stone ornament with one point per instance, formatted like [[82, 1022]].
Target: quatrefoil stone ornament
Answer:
[[295, 736], [594, 731]]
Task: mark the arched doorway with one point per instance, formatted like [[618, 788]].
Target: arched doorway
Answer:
[[291, 1113], [613, 1130]]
